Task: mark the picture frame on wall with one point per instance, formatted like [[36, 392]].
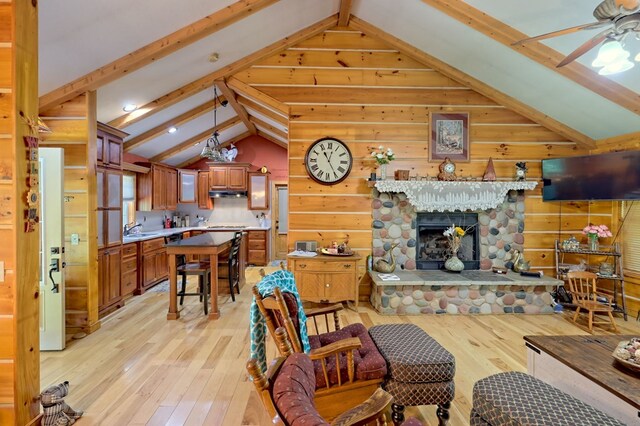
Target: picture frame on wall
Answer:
[[449, 136]]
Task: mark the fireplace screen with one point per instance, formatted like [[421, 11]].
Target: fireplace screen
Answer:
[[433, 248]]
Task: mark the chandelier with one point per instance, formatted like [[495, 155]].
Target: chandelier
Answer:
[[212, 149]]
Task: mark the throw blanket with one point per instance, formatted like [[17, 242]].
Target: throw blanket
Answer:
[[284, 280]]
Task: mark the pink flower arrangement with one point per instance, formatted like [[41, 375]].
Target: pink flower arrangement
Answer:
[[600, 230]]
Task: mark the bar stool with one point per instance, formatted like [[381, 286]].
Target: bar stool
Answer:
[[201, 269], [233, 265]]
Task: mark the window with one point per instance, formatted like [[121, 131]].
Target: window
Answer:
[[128, 198], [631, 233]]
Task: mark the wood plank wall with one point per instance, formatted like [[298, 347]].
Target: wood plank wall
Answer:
[[345, 84], [19, 338], [73, 126]]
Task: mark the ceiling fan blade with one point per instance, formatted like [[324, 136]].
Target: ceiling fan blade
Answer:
[[563, 32], [628, 4], [587, 46]]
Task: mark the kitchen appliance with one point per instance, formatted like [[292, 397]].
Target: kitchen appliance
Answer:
[[227, 193], [306, 245]]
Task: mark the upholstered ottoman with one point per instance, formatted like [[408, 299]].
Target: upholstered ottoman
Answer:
[[515, 398], [420, 371]]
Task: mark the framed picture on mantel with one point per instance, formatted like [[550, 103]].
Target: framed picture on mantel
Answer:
[[449, 136]]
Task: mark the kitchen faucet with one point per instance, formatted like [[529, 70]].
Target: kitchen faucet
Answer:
[[128, 228]]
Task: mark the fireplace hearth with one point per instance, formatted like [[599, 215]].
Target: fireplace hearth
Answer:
[[433, 248]]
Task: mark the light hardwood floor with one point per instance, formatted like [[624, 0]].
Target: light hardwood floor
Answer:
[[140, 369]]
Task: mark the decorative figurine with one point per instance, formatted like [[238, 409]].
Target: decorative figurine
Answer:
[[389, 266], [521, 171], [490, 172], [447, 170], [519, 264]]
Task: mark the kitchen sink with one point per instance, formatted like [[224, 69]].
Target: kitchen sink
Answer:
[[143, 234]]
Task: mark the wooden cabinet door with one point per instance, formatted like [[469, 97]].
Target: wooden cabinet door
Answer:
[[339, 286], [100, 144], [101, 192], [159, 185], [148, 268], [237, 178], [171, 176], [218, 177], [100, 217], [162, 264], [204, 201], [310, 286], [113, 149], [115, 275], [113, 184], [102, 279]]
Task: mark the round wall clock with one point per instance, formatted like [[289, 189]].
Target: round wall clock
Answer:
[[328, 161]]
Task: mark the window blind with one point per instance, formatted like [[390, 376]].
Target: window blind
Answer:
[[631, 234]]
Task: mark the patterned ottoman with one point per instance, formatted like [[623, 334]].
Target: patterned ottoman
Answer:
[[420, 370], [515, 398]]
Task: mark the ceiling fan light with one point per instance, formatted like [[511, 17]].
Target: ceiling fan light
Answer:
[[609, 52], [637, 58], [616, 67]]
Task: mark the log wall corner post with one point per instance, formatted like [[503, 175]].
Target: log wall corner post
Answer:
[[19, 303]]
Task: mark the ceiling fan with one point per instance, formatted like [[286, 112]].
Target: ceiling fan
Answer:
[[621, 19]]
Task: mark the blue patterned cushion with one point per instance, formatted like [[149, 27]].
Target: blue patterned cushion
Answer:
[[514, 399]]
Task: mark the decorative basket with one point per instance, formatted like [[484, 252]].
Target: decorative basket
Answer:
[[635, 367]]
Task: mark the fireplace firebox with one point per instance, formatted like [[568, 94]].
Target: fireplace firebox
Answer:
[[432, 249]]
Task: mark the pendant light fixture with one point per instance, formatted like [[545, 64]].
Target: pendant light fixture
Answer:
[[212, 149]]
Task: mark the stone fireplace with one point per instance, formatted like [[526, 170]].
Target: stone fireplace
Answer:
[[498, 231]]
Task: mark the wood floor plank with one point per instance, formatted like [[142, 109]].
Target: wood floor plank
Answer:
[[140, 369]]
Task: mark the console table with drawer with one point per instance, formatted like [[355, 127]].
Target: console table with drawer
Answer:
[[326, 279]]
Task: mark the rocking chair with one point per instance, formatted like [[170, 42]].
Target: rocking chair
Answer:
[[582, 285]]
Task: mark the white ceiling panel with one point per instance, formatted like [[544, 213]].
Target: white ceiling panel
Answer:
[[544, 16], [186, 131], [230, 133], [268, 120], [232, 43], [79, 36], [499, 67]]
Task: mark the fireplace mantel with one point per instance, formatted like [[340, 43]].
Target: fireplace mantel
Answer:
[[431, 196]]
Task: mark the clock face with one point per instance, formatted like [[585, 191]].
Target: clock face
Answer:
[[449, 167], [328, 161]]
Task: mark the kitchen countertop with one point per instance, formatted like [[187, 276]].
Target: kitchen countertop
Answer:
[[161, 233]]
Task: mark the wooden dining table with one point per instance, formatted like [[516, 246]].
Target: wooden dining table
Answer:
[[209, 243]]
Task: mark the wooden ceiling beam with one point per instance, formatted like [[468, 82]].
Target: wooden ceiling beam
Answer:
[[345, 13], [255, 94], [154, 51], [270, 128], [544, 55], [474, 84], [252, 105], [272, 139], [224, 145], [208, 80], [162, 128], [239, 109], [624, 142], [164, 155]]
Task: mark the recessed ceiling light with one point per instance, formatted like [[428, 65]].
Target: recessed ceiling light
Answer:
[[172, 129], [214, 57], [129, 107]]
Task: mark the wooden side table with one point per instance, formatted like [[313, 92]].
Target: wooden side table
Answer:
[[326, 279]]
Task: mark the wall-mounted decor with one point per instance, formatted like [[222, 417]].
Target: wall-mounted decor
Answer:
[[449, 136]]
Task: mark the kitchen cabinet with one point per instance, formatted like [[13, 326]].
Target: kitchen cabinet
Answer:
[[158, 189], [109, 146], [257, 248], [326, 279], [109, 203], [187, 188], [258, 196], [204, 201], [232, 176], [154, 266], [129, 269], [109, 277]]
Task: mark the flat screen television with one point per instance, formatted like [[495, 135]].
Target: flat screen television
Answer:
[[610, 176]]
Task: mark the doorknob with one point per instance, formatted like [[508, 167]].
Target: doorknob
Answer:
[[54, 266]]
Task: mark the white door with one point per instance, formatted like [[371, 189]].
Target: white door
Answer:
[[52, 324]]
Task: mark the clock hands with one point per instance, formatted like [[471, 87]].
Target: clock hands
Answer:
[[329, 161]]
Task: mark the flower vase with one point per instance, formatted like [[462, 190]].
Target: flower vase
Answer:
[[383, 172], [593, 242], [454, 264]]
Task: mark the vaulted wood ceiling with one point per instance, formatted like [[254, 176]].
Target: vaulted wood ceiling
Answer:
[[155, 54]]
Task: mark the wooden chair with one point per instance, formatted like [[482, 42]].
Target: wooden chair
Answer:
[[583, 288], [347, 364], [232, 263], [290, 396], [201, 269]]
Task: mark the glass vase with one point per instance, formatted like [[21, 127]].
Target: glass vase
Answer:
[[383, 172], [594, 245], [454, 264]]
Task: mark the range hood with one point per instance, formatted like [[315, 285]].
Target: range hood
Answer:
[[227, 193]]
